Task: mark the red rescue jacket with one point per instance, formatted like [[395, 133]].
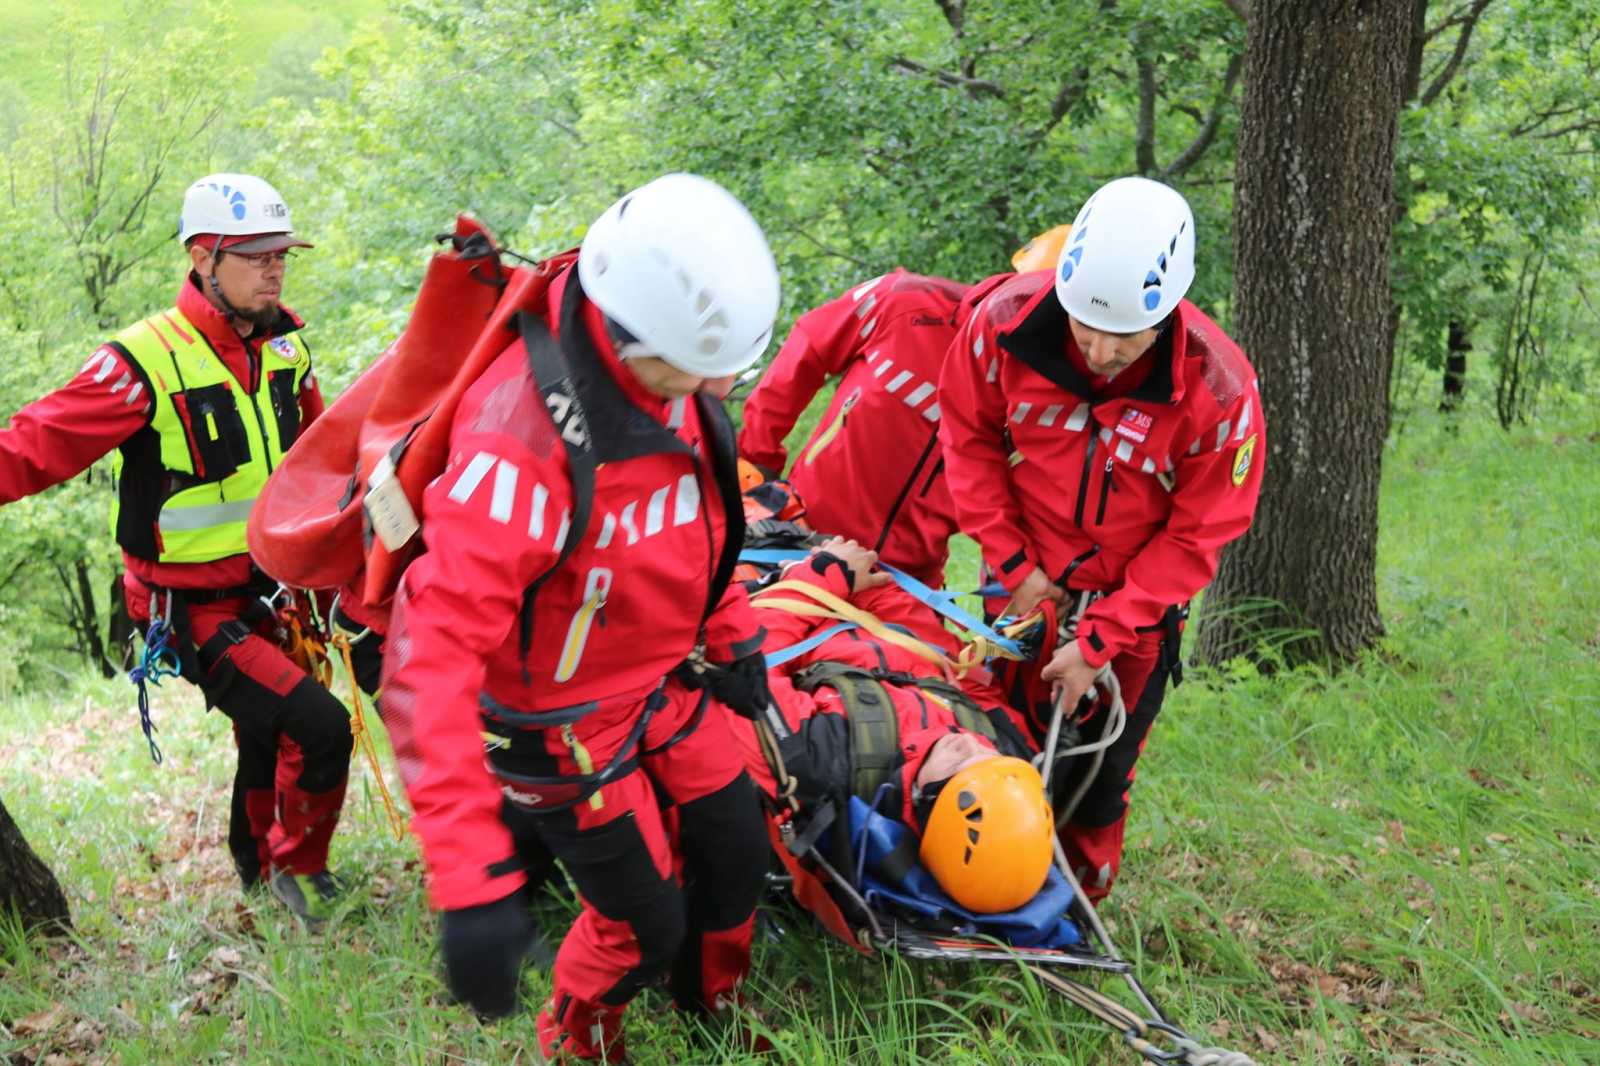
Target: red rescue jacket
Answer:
[[62, 434], [1130, 486], [872, 469], [923, 717], [607, 625]]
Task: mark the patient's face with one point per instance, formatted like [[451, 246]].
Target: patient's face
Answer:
[[951, 755]]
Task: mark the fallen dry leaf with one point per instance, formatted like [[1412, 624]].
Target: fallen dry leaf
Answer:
[[39, 1022]]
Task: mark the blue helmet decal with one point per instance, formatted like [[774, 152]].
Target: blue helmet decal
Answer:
[[1153, 279], [235, 198]]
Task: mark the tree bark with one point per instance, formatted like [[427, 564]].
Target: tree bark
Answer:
[[26, 883], [1313, 213], [119, 630], [91, 622], [1457, 345]]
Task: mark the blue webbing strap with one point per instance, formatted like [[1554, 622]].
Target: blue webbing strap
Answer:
[[942, 602], [783, 655]]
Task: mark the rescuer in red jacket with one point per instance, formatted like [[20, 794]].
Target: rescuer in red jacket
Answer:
[[200, 401], [604, 745], [1103, 440], [872, 469]]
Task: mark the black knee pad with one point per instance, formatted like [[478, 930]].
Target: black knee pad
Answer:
[[725, 850], [316, 720], [616, 875]]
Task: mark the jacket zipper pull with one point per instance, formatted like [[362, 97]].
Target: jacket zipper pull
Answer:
[[585, 761], [833, 430], [595, 591]]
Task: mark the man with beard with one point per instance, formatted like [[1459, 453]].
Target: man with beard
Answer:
[[201, 401]]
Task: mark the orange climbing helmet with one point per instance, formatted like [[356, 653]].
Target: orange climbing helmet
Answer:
[[1042, 252], [988, 837], [750, 475]]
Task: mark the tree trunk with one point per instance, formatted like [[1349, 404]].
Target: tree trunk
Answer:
[[26, 883], [1457, 345], [119, 630], [91, 622], [1313, 213]]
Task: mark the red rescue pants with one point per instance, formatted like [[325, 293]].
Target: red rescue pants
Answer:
[[1093, 837], [669, 860], [293, 738]]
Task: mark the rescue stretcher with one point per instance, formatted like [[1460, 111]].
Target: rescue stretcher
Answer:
[[856, 909]]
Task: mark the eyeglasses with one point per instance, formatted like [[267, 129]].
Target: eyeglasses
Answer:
[[262, 260]]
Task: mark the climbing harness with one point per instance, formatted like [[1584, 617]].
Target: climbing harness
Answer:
[[298, 634]]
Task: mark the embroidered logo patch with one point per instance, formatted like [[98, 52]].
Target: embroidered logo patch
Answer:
[[285, 349], [1242, 458], [1135, 424]]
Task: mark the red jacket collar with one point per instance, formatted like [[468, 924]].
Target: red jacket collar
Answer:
[[594, 322], [1038, 334], [233, 350]]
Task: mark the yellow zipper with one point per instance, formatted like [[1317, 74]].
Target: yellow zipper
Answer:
[[584, 760], [833, 430], [596, 589]]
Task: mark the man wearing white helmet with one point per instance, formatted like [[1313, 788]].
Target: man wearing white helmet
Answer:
[[1103, 440], [201, 401], [573, 654]]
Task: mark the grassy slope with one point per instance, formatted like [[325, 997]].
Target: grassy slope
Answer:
[[1398, 864]]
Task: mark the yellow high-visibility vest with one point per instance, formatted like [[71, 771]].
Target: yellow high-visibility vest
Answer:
[[186, 483]]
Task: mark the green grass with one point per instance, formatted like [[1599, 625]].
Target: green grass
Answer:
[[1397, 864]]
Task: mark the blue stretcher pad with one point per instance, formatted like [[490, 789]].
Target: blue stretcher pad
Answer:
[[1039, 923]]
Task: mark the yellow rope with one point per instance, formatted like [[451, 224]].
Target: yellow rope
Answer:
[[363, 738], [828, 605]]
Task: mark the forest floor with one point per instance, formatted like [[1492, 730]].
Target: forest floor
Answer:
[[1397, 863]]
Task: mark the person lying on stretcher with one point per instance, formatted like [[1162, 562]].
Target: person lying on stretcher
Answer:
[[874, 713]]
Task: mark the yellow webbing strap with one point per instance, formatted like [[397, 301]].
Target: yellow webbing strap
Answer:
[[363, 738], [827, 605], [980, 647]]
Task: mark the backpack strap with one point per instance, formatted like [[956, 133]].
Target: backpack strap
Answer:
[[968, 714], [874, 727], [722, 443], [552, 376]]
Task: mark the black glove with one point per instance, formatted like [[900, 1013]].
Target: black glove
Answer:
[[742, 685], [484, 949]]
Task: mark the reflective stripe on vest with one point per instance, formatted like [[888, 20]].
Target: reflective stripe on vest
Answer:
[[218, 442]]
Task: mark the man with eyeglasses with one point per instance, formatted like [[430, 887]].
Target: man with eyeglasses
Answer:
[[1103, 440], [200, 402]]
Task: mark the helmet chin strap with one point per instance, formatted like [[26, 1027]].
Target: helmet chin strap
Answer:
[[235, 316]]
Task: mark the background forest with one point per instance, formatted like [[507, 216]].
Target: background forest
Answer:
[[1395, 863], [940, 136]]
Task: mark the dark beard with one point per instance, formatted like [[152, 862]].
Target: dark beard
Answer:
[[260, 321]]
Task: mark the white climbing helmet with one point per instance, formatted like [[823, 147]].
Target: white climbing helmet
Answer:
[[234, 205], [681, 265], [1130, 258]]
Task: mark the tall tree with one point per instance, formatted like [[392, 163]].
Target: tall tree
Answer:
[[1313, 213], [26, 883]]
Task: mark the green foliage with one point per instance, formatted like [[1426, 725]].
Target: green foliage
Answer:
[[1498, 168]]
